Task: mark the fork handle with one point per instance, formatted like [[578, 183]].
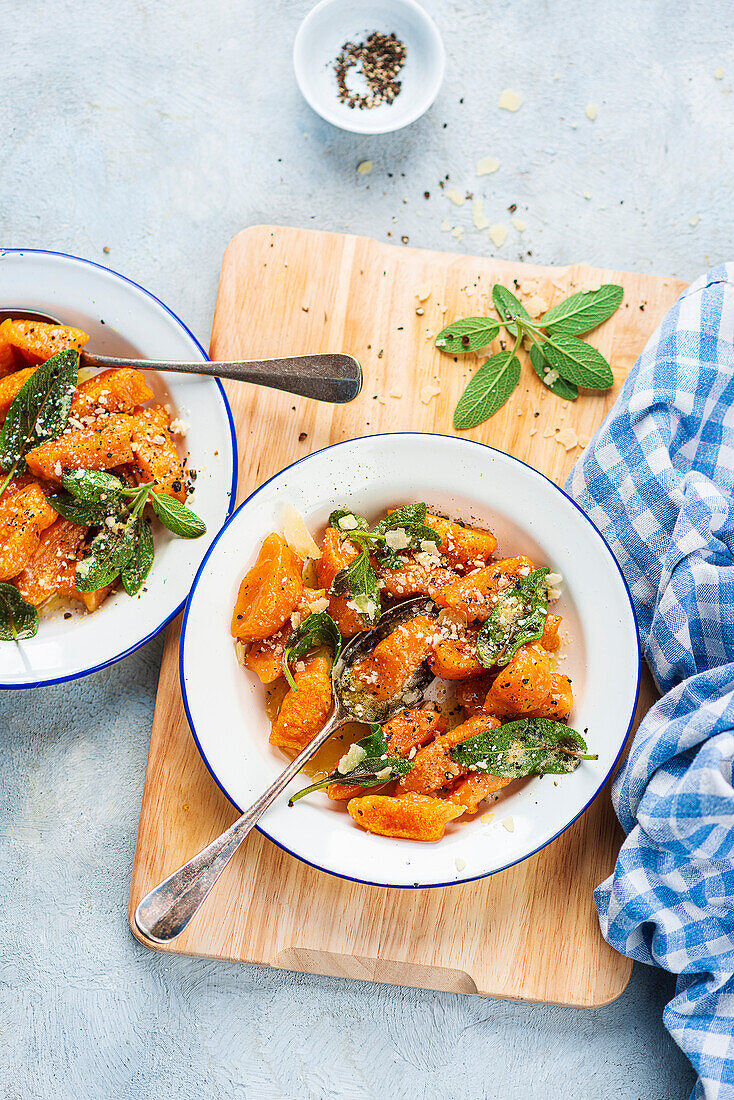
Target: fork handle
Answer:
[[165, 911], [327, 376]]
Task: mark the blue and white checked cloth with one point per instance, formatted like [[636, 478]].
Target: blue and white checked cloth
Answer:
[[658, 482]]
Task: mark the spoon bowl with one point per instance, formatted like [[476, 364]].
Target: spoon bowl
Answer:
[[327, 376]]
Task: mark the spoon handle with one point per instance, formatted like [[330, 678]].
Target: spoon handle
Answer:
[[328, 376], [165, 911]]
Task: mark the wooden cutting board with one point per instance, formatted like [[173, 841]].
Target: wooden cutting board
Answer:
[[530, 932]]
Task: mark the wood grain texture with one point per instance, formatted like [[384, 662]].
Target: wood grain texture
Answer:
[[530, 932]]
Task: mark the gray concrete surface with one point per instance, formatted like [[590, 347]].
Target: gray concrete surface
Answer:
[[157, 130]]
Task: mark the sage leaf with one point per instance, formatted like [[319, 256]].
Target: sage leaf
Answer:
[[87, 515], [467, 334], [93, 486], [569, 391], [40, 410], [583, 311], [488, 390], [346, 513], [176, 516], [317, 629], [18, 619], [509, 308], [360, 582], [373, 767], [518, 617], [107, 555], [529, 746], [578, 362], [135, 571]]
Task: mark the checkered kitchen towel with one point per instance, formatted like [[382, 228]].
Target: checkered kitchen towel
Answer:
[[658, 482]]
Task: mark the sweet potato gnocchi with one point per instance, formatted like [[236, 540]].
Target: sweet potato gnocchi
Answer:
[[80, 461], [489, 640]]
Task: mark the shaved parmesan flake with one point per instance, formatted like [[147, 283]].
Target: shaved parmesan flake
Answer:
[[481, 221], [591, 111], [498, 234], [509, 824], [351, 759], [364, 167], [486, 166], [455, 196], [510, 100], [459, 863], [297, 535], [519, 225]]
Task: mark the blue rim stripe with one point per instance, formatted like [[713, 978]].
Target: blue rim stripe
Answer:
[[235, 463], [260, 828]]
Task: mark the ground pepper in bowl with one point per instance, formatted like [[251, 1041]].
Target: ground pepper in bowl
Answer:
[[380, 57]]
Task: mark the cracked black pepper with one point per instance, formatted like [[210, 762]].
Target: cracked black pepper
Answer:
[[380, 58]]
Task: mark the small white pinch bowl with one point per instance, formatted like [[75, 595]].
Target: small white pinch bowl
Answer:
[[123, 319], [225, 703], [331, 24]]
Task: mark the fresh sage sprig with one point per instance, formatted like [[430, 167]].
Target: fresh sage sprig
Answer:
[[359, 580], [317, 629], [369, 765], [123, 545], [529, 746], [18, 619], [558, 357], [518, 617], [39, 412]]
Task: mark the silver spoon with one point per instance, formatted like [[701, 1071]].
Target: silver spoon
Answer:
[[324, 376], [165, 911]]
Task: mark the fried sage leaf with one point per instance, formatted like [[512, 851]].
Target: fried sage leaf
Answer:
[[358, 580], [317, 629], [18, 619], [529, 746], [467, 334], [39, 412], [135, 572], [176, 516], [107, 555], [518, 617], [93, 486], [368, 765]]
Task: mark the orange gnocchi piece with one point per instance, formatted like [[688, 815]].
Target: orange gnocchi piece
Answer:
[[551, 639], [95, 448], [523, 685], [456, 658], [476, 594], [156, 456], [23, 516], [303, 713], [394, 660], [52, 567], [471, 693], [559, 701], [411, 817], [269, 593], [470, 791], [462, 546], [37, 341], [10, 387], [115, 390]]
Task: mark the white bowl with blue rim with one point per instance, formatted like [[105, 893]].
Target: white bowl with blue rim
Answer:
[[123, 319], [333, 23], [225, 703]]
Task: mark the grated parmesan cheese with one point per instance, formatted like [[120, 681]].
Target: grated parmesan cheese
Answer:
[[351, 759]]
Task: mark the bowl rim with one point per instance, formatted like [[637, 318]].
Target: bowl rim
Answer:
[[235, 464], [422, 16], [353, 878]]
